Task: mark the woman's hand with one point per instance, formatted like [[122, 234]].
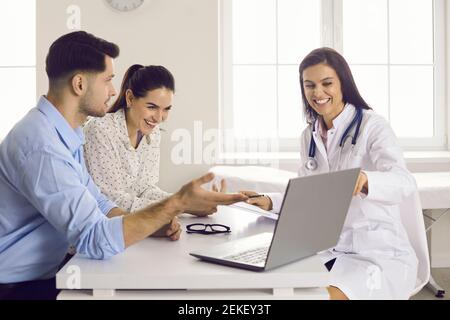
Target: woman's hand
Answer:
[[171, 230], [362, 184], [263, 202]]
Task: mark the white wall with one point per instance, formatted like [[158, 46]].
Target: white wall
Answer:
[[179, 34]]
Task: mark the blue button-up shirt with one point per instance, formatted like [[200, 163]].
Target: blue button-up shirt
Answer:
[[48, 200]]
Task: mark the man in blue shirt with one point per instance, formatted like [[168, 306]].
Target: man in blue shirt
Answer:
[[48, 200]]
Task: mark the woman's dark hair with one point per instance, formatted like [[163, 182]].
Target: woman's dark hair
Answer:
[[140, 80], [330, 57], [78, 52]]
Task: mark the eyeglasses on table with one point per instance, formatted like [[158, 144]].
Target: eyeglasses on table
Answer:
[[202, 228]]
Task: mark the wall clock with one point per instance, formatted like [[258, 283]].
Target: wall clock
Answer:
[[125, 5]]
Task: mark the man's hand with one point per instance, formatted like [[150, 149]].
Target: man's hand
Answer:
[[196, 200], [362, 184], [215, 188], [171, 230], [191, 198]]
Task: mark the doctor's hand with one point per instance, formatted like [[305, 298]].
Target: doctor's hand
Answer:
[[263, 202], [171, 230], [194, 199], [362, 184]]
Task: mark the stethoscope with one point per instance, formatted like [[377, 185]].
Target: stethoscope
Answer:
[[311, 163]]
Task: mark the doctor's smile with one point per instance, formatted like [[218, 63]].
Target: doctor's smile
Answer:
[[321, 102], [322, 90]]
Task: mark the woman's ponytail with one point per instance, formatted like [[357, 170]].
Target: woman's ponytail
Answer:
[[121, 99]]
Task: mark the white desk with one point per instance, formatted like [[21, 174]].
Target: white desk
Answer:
[[157, 268]]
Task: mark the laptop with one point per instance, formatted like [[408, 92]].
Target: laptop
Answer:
[[311, 218]]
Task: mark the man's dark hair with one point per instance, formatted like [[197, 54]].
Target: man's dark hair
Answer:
[[78, 52]]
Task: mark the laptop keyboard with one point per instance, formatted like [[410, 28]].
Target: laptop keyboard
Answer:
[[252, 256]]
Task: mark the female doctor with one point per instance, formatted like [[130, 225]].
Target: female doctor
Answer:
[[373, 258]]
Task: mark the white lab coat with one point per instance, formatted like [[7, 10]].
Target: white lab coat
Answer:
[[374, 257]]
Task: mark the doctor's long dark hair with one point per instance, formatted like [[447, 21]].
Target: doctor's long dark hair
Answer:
[[140, 80], [330, 57]]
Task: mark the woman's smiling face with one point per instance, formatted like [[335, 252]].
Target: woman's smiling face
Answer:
[[323, 92], [146, 113]]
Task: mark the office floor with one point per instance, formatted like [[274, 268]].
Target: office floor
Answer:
[[442, 277]]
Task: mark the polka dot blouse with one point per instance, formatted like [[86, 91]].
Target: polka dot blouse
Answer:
[[126, 175]]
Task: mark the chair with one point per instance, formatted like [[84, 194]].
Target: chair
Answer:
[[265, 179]]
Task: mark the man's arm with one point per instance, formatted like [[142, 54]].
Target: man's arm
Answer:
[[53, 187], [171, 230], [145, 222], [191, 197]]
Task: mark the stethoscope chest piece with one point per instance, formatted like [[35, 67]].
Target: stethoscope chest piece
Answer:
[[311, 164]]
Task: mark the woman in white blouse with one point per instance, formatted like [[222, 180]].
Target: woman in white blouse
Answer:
[[122, 149]]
